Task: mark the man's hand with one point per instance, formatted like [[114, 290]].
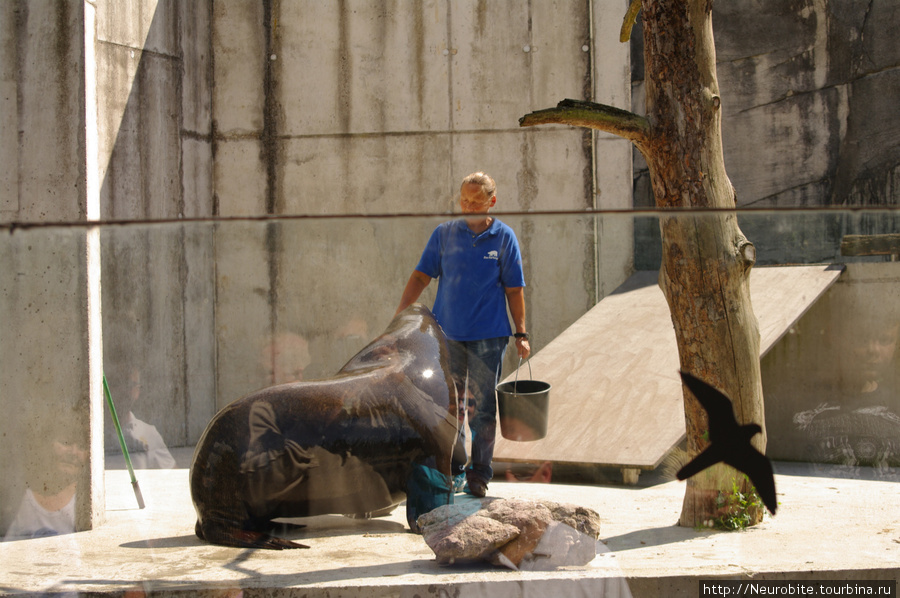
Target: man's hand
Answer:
[[523, 348]]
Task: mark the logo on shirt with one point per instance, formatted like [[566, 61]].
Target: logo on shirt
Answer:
[[492, 255]]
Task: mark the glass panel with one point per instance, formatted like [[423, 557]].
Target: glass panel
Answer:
[[197, 314]]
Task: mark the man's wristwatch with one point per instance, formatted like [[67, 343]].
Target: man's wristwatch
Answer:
[[522, 335]]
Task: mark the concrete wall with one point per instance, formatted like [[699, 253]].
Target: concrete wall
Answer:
[[808, 95], [154, 83], [106, 114], [51, 431], [146, 113], [810, 101], [383, 107]]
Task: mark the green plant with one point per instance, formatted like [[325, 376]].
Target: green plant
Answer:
[[739, 507]]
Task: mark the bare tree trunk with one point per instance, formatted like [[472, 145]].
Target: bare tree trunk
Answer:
[[706, 259]]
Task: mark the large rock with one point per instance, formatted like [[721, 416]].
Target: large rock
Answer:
[[519, 534]]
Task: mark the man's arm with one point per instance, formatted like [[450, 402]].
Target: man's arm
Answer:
[[414, 287], [515, 297]]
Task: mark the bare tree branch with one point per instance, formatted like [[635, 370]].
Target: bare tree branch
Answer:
[[577, 113], [630, 17]]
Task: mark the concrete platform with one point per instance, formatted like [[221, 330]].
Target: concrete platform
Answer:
[[828, 527]]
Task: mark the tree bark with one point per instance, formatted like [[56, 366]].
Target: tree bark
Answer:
[[706, 258]]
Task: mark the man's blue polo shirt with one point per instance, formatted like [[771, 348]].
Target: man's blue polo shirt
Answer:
[[473, 272]]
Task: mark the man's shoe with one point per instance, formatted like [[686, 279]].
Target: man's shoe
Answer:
[[477, 488]]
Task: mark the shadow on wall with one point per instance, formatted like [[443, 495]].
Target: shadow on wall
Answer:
[[157, 281]]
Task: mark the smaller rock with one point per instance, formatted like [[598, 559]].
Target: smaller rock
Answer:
[[582, 519]]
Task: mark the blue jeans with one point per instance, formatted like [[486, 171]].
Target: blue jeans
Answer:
[[477, 364]]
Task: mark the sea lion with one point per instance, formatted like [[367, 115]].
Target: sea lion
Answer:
[[382, 428]]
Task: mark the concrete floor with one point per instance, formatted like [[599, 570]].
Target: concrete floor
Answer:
[[828, 527]]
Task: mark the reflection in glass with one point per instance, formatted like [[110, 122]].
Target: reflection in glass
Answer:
[[47, 507], [144, 443], [857, 423]]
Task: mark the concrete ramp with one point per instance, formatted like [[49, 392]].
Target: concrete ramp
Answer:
[[616, 398]]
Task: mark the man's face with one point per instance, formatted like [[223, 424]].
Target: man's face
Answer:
[[473, 201]]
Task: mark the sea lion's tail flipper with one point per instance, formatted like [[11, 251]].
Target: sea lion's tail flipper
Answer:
[[241, 538]]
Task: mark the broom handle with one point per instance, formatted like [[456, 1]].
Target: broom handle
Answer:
[[112, 409]]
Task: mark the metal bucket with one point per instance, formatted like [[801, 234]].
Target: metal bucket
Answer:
[[524, 406]]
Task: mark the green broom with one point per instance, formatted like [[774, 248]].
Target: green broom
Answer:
[[112, 409]]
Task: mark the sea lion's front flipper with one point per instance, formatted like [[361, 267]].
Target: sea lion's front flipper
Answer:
[[242, 538], [251, 539]]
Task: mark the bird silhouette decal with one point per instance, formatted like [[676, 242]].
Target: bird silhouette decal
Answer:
[[729, 442]]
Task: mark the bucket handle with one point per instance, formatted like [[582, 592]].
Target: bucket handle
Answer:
[[530, 375]]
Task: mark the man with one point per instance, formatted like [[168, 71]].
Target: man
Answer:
[[478, 265]]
